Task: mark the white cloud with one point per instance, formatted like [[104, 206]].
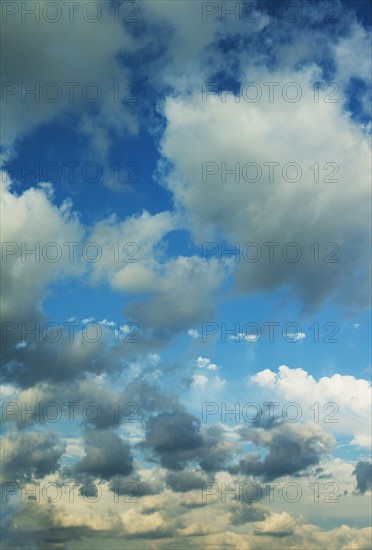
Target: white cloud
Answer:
[[30, 221], [304, 212], [350, 414], [205, 363], [199, 380]]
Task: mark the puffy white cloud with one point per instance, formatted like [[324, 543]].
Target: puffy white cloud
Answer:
[[31, 221], [304, 212], [344, 401]]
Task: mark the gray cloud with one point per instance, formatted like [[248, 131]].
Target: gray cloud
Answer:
[[291, 449], [363, 473], [107, 455], [187, 480], [242, 513], [29, 456], [176, 439]]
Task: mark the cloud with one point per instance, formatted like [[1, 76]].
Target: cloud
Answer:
[[306, 212], [344, 401], [188, 282], [107, 455], [30, 456], [186, 480], [185, 280], [291, 450], [363, 473], [199, 380], [277, 525], [33, 219], [176, 438], [92, 52], [242, 513], [149, 526], [204, 362]]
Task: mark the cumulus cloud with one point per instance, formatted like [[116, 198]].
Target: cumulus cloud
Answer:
[[107, 455], [185, 280], [177, 439], [291, 450], [30, 221], [231, 134], [186, 480], [30, 456], [344, 401], [277, 525], [363, 473]]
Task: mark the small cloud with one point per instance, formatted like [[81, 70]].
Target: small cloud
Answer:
[[205, 363], [202, 362], [362, 440], [193, 333], [21, 345], [154, 358], [106, 323], [213, 366], [246, 337], [219, 381], [86, 321], [251, 337], [296, 336], [199, 380]]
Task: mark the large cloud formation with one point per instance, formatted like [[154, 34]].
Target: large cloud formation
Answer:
[[238, 207]]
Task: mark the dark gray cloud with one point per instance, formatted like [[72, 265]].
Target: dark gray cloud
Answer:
[[176, 439], [187, 480], [43, 360], [363, 473], [106, 455], [216, 451], [291, 449]]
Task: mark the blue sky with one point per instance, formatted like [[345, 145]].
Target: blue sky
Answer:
[[139, 176]]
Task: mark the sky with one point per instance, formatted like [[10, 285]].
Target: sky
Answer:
[[186, 227]]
